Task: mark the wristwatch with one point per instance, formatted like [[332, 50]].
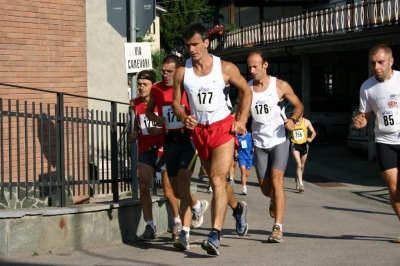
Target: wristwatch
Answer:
[[294, 120]]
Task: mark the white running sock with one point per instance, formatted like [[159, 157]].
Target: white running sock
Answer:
[[151, 223], [197, 206], [177, 219], [280, 226], [187, 229]]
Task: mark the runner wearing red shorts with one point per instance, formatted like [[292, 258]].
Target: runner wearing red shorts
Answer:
[[205, 79], [180, 154]]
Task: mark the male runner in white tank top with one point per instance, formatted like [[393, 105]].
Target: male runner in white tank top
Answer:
[[204, 78], [269, 135], [381, 95]]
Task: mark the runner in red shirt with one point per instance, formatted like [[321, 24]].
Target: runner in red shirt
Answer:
[[150, 158]]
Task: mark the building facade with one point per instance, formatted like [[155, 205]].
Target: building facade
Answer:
[[54, 51], [319, 47]]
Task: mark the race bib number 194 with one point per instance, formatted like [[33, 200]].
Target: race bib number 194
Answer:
[[298, 134]]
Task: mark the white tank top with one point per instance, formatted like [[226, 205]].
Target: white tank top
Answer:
[[267, 127], [206, 94], [383, 98]]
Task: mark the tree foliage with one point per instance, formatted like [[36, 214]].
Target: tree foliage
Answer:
[[157, 57], [179, 14]]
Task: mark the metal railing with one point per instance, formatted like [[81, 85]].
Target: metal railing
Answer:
[[55, 154], [333, 19]]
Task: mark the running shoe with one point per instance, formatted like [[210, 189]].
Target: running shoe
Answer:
[[241, 223], [209, 191], [183, 241], [301, 188], [197, 216], [397, 240], [276, 235], [211, 245], [177, 229], [244, 191], [231, 181], [271, 209], [149, 234], [201, 176], [297, 186]]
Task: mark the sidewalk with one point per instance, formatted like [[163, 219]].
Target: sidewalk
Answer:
[[335, 161], [350, 223]]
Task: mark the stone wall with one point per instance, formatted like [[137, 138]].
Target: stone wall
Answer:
[[47, 230], [26, 197]]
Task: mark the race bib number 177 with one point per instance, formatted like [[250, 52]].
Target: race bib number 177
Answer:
[[205, 98]]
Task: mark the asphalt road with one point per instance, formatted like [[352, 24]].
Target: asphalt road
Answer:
[[343, 218]]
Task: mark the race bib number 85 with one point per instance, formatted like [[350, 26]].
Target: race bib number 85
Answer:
[[389, 120]]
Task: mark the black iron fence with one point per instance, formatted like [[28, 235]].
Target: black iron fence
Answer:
[[55, 150]]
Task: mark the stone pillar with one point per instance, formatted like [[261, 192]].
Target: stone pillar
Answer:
[[232, 13]]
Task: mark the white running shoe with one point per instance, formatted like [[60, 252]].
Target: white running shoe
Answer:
[[231, 181], [197, 216], [177, 228], [183, 241]]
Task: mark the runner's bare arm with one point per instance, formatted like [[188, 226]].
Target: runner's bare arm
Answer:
[[154, 131], [189, 120], [133, 136], [286, 91], [311, 129], [232, 76], [151, 105], [360, 120], [132, 104]]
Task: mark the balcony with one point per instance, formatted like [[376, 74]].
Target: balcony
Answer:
[[339, 20]]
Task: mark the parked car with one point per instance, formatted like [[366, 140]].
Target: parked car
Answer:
[[329, 116], [357, 138]]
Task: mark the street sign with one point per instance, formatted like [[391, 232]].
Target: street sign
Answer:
[[137, 56], [145, 15]]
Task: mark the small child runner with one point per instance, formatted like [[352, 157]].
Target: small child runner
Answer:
[[245, 157]]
